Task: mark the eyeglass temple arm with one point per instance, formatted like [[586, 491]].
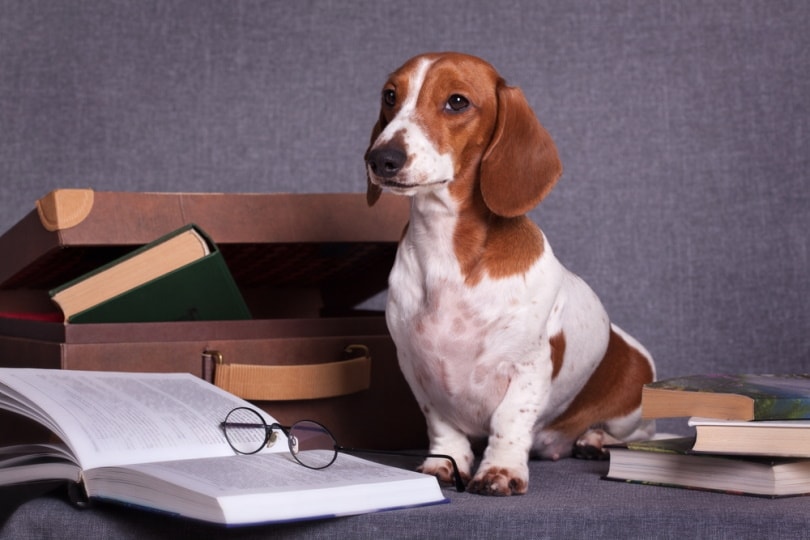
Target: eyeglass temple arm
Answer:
[[460, 487]]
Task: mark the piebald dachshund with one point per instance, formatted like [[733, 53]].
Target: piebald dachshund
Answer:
[[496, 339]]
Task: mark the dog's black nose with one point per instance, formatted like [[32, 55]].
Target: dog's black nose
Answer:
[[386, 161]]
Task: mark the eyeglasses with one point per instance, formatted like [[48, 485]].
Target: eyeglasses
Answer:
[[310, 443]]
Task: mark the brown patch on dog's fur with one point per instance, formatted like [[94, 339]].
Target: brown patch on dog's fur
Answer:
[[489, 245], [557, 343], [622, 367]]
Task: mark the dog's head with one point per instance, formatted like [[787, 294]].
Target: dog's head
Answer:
[[448, 121]]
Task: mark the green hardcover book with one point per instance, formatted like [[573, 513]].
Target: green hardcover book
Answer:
[[729, 397], [181, 276], [669, 462]]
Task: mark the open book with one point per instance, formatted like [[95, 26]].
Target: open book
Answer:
[[154, 441]]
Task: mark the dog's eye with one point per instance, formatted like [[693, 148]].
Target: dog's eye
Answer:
[[457, 103], [389, 97]]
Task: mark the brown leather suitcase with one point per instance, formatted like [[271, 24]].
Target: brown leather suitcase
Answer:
[[303, 263]]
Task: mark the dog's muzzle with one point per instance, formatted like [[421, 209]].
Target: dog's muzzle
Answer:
[[386, 161]]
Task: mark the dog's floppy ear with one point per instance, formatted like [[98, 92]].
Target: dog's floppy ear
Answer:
[[373, 191], [521, 164]]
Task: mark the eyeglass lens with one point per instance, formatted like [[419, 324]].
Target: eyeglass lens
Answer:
[[310, 443], [245, 430]]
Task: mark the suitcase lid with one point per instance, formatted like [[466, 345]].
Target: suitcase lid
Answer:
[[289, 253]]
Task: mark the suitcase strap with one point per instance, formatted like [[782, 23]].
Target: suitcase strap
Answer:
[[286, 383]]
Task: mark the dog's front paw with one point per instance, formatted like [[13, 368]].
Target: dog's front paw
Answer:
[[443, 470], [500, 481]]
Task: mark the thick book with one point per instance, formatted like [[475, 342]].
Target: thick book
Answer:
[[790, 438], [670, 462], [181, 276], [154, 441], [729, 397]]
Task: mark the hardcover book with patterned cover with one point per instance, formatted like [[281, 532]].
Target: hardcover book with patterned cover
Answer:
[[729, 397]]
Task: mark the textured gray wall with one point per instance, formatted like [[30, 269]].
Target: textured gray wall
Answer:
[[683, 128]]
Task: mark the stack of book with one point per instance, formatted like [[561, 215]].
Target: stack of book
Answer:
[[752, 436]]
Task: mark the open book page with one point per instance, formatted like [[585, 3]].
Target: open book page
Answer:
[[264, 487], [112, 418]]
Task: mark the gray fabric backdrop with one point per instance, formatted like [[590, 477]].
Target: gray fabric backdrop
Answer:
[[683, 128]]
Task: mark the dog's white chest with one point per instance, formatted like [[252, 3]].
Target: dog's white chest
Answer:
[[457, 342], [445, 350]]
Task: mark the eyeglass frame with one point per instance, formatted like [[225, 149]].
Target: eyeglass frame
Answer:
[[270, 438]]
